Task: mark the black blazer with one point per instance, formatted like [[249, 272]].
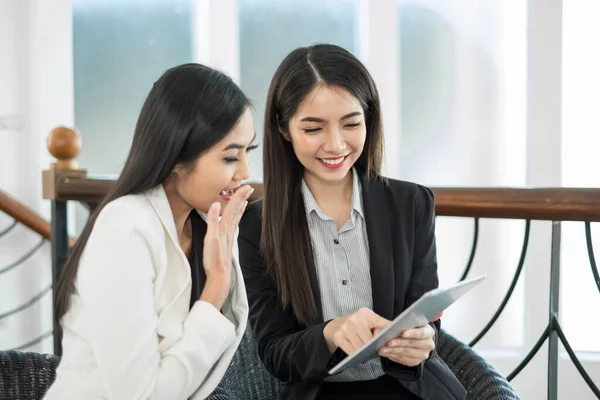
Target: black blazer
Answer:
[[400, 226]]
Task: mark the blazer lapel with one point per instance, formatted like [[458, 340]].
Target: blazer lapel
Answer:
[[198, 273], [160, 203], [239, 299], [178, 271], [379, 232]]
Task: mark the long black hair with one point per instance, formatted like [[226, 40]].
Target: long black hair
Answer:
[[285, 240], [188, 110]]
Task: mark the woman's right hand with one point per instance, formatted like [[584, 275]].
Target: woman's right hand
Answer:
[[218, 246], [349, 333]]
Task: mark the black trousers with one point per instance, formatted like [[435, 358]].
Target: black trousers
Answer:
[[383, 388]]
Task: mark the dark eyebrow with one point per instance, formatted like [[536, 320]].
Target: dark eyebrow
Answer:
[[352, 114], [314, 119], [237, 146]]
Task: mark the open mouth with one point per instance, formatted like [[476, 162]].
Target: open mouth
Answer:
[[333, 162], [227, 194]]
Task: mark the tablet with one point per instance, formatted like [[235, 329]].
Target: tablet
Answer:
[[420, 313]]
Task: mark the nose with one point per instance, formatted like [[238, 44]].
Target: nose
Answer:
[[243, 171], [335, 142]]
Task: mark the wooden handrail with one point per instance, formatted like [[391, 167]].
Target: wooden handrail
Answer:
[[88, 190], [26, 216], [91, 190], [65, 181], [552, 204]]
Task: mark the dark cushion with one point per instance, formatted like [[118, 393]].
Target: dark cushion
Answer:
[[29, 375], [26, 375], [479, 378], [248, 379]]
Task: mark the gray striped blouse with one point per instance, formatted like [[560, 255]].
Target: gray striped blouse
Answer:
[[343, 268]]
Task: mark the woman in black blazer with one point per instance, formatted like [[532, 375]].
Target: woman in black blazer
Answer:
[[334, 251]]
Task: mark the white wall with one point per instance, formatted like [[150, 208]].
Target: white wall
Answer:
[[36, 84]]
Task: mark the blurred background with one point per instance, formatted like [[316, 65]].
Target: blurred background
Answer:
[[474, 93]]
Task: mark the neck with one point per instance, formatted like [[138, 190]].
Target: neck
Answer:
[[179, 208], [325, 191]]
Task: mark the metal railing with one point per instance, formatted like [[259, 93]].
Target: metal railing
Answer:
[[23, 216]]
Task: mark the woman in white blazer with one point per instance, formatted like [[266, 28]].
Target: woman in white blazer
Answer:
[[151, 301]]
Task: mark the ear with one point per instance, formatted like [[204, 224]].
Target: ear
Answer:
[[177, 170], [283, 133]]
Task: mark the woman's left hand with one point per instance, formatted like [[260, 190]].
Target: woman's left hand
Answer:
[[411, 348]]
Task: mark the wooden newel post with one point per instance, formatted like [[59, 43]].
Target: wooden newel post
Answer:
[[64, 144]]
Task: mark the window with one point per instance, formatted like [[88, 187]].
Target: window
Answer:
[[462, 118], [580, 144], [120, 48], [269, 30]]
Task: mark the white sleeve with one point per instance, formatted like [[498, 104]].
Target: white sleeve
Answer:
[[115, 283]]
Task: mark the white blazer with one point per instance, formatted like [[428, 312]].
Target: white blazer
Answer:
[[129, 333]]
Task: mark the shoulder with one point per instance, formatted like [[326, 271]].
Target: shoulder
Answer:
[[411, 190], [405, 194], [126, 241], [409, 204], [405, 201], [127, 215]]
